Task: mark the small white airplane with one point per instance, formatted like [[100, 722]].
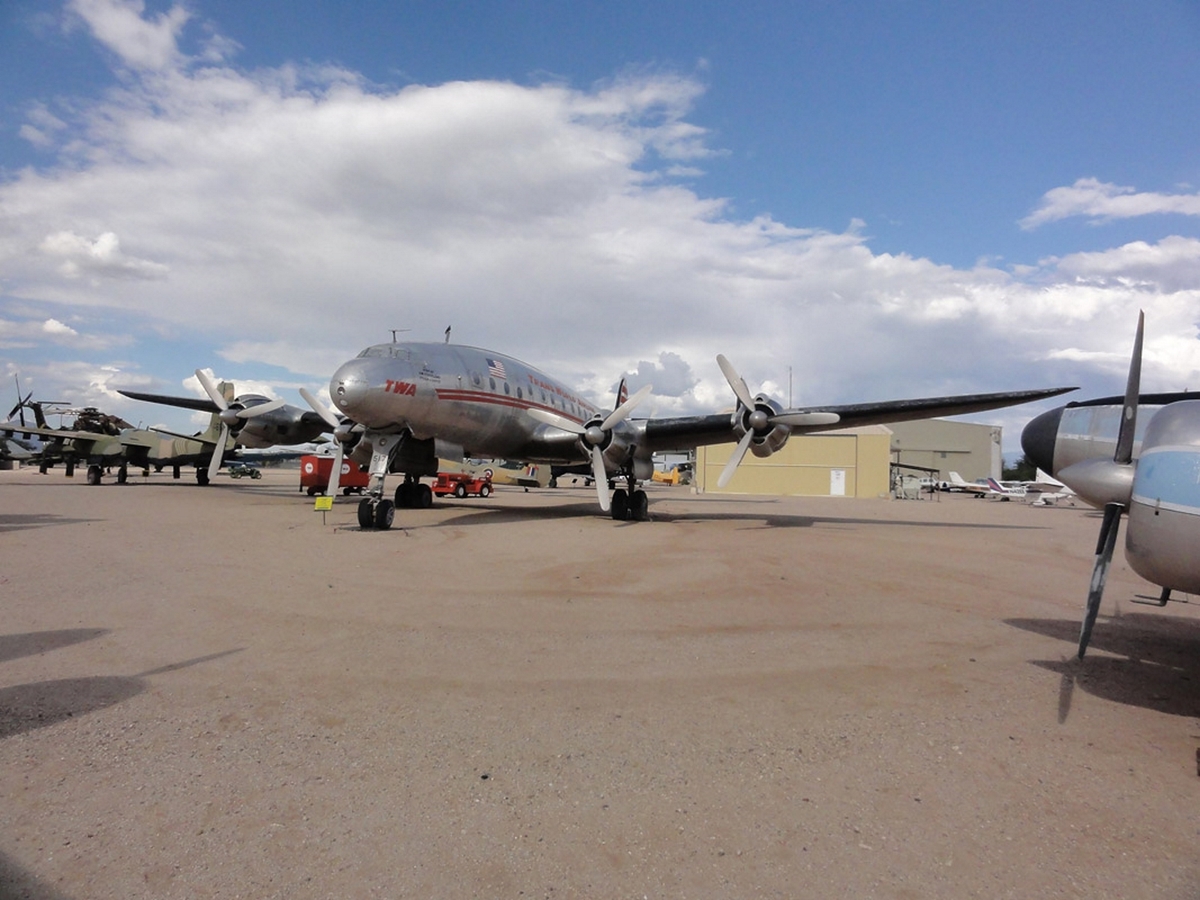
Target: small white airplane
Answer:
[[959, 485], [405, 405]]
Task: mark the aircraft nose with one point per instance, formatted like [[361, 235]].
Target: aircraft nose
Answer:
[[348, 388], [1039, 437]]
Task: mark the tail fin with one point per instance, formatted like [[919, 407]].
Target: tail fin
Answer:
[[622, 393]]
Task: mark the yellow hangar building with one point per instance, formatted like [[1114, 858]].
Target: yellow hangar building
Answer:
[[856, 462]]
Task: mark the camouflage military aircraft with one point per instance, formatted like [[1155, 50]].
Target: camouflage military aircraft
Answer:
[[103, 442]]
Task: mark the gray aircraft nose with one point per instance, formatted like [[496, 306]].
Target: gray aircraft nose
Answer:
[[1039, 437], [348, 388]]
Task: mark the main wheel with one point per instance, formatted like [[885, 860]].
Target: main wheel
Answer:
[[620, 505], [94, 475], [385, 511], [122, 475], [424, 495], [202, 477], [404, 495], [639, 506], [460, 490], [366, 513]]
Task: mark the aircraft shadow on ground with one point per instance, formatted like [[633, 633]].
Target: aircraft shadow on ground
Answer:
[[1156, 665], [26, 521], [14, 646], [26, 707], [17, 883], [764, 519]]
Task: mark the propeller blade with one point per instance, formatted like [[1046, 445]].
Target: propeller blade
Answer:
[[735, 460], [335, 475], [214, 464], [1104, 553], [803, 419], [210, 388], [622, 412], [600, 476], [260, 409], [735, 382], [549, 418], [320, 409], [1125, 436]]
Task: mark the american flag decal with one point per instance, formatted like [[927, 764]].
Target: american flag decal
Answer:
[[496, 368]]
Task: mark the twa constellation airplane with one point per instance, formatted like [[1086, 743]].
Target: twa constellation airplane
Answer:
[[408, 404]]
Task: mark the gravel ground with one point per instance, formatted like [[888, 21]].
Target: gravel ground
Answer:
[[215, 693]]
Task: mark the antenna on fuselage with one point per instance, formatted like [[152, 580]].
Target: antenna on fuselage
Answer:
[[396, 331], [447, 334]]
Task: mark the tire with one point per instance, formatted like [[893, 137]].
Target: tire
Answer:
[[93, 475], [256, 474], [385, 511], [202, 477], [639, 506], [620, 506], [424, 496], [366, 514], [460, 490], [122, 475], [485, 491], [404, 496]]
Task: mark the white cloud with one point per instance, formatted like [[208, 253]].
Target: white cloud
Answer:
[[293, 216], [141, 43], [1102, 202], [101, 257]]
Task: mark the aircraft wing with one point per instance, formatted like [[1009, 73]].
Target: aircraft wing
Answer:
[[198, 438], [693, 431], [203, 405]]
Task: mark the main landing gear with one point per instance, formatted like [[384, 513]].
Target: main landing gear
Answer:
[[630, 503]]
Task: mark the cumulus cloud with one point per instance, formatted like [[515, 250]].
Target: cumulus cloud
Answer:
[[100, 257], [1102, 202], [292, 216], [141, 43]]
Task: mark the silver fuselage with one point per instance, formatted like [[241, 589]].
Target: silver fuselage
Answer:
[[462, 396]]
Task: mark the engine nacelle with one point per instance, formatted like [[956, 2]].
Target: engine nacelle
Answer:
[[618, 446], [1164, 511], [767, 438]]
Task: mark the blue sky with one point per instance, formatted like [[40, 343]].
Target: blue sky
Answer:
[[893, 199]]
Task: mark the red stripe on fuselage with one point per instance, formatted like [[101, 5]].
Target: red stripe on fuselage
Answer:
[[501, 400]]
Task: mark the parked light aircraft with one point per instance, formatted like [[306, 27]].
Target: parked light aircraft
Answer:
[[406, 404], [251, 420], [958, 484], [1153, 475]]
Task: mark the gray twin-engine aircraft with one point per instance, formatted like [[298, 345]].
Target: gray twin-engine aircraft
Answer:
[[408, 404], [1152, 473]]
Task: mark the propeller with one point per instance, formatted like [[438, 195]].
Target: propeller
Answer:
[[1117, 477], [342, 433], [231, 416], [760, 418], [593, 435]]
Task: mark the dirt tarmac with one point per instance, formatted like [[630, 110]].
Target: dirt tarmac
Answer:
[[210, 692]]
